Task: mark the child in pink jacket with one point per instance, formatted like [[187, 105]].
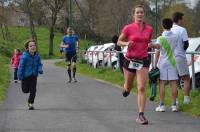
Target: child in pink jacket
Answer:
[[15, 62]]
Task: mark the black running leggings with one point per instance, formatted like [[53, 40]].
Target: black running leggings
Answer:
[[29, 86], [15, 74]]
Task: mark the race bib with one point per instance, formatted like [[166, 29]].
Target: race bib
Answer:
[[135, 65]]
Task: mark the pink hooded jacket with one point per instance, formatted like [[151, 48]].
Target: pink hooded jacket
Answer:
[[15, 60]]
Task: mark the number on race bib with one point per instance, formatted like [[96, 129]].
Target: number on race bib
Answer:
[[135, 65]]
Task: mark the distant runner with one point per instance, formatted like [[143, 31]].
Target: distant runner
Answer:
[[71, 44]]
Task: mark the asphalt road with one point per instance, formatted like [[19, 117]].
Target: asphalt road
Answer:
[[86, 106]]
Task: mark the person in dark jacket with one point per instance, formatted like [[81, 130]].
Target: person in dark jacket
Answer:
[[29, 67], [119, 50]]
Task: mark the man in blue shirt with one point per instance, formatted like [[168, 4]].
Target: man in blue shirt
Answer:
[[71, 44]]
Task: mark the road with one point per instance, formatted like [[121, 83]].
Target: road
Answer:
[[86, 106]]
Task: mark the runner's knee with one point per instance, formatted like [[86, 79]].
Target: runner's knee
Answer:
[[141, 88], [73, 65], [68, 66]]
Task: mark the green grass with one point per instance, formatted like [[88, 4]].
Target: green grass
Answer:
[[19, 35], [116, 78], [5, 76], [194, 107], [43, 43]]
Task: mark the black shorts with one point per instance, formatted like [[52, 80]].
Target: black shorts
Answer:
[[71, 57], [126, 62]]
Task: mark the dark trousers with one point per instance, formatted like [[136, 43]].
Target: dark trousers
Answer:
[[15, 74], [29, 86], [121, 62]]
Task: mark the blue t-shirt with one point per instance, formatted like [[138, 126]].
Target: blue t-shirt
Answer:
[[71, 41]]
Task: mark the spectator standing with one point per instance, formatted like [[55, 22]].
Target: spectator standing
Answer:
[[165, 60], [119, 50], [180, 53]]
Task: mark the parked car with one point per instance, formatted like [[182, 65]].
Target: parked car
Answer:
[[194, 46], [90, 53], [102, 54], [96, 56]]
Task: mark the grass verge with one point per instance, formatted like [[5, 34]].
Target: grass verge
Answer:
[[4, 77]]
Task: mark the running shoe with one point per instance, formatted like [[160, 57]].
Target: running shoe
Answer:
[[160, 108], [125, 93], [30, 106], [70, 80], [174, 108], [142, 120], [75, 79]]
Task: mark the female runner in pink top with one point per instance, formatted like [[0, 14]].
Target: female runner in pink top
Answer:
[[136, 36]]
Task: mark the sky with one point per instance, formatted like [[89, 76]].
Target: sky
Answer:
[[190, 3]]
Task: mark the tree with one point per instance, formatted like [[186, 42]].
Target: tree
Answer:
[[39, 16], [120, 15], [54, 6], [81, 21], [106, 18], [27, 7], [169, 10], [197, 19], [3, 20]]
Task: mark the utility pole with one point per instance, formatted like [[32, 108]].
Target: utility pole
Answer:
[[156, 22], [70, 13]]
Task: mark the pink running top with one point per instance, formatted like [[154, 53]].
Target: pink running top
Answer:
[[140, 39]]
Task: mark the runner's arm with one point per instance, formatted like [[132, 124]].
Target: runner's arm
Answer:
[[62, 45], [155, 46], [78, 44], [157, 55], [122, 41]]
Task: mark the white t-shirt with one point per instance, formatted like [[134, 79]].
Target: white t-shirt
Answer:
[[172, 40], [182, 36]]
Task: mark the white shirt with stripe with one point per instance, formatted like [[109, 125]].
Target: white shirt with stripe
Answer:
[[172, 40]]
